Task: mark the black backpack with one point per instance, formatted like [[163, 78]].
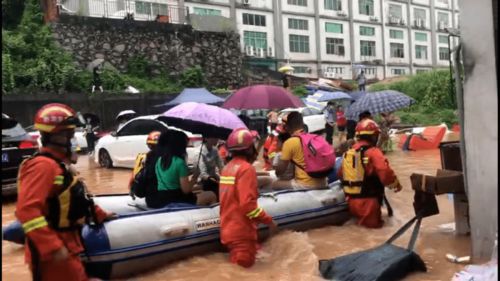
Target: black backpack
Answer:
[[145, 182]]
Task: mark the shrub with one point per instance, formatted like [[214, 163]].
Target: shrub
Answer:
[[192, 78], [300, 91]]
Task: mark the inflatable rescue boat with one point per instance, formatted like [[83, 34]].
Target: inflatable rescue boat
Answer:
[[142, 238]]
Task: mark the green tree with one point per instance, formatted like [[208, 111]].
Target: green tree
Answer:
[[193, 78]]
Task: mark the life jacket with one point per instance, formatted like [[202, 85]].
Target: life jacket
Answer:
[[341, 119], [73, 205], [139, 163], [355, 182], [319, 155]]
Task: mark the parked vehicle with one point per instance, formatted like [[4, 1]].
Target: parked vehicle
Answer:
[[120, 148], [17, 145], [79, 141], [314, 120]]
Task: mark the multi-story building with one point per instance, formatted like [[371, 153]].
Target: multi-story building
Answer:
[[326, 38]]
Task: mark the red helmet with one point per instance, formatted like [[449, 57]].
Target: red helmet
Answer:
[[239, 139], [367, 127], [153, 137], [56, 117]]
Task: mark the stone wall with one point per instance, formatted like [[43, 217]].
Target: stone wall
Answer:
[[169, 48]]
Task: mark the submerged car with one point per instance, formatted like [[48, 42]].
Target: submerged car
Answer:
[[314, 120], [17, 145], [120, 148]]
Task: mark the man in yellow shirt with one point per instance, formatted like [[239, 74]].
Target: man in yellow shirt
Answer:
[[292, 151]]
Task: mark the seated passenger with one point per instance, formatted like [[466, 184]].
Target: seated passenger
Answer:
[[210, 166], [139, 182], [292, 153], [174, 185]]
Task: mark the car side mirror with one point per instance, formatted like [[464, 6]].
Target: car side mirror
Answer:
[[113, 133]]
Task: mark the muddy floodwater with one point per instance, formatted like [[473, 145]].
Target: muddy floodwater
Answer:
[[291, 255]]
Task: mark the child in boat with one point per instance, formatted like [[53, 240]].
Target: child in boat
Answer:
[[239, 212]]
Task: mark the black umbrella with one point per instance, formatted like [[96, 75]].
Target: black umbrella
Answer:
[[94, 119]]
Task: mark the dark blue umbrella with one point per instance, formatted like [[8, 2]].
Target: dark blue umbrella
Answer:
[[378, 102], [356, 95], [200, 95], [327, 96]]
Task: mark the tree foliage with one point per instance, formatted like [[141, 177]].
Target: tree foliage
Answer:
[[193, 77]]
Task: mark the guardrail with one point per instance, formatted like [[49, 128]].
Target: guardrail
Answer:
[[126, 9]]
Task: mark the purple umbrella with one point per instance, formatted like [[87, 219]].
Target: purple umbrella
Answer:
[[199, 118], [262, 97]]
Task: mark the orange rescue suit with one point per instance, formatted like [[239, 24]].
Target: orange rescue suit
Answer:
[[38, 181], [239, 212], [367, 209], [270, 149]]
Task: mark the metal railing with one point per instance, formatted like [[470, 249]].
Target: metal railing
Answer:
[[126, 9]]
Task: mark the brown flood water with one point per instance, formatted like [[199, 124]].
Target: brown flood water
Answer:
[[291, 255]]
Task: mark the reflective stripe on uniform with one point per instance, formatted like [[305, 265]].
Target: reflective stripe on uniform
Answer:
[[34, 224], [58, 180], [272, 154], [227, 180], [255, 213], [365, 160]]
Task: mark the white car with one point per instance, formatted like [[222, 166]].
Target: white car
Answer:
[[120, 148], [314, 120], [79, 141]]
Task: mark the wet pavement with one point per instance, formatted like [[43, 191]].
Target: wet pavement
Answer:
[[292, 255]]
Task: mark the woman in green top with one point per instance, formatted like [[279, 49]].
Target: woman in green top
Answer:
[[174, 185]]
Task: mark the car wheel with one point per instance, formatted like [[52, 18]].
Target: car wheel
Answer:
[[104, 159], [306, 129]]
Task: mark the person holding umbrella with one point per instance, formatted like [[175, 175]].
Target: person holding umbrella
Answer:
[[331, 119]]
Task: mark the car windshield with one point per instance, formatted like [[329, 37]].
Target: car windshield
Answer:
[[11, 128]]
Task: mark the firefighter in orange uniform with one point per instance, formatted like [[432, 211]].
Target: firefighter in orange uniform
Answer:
[[239, 212], [52, 203], [151, 142], [270, 147], [365, 172]]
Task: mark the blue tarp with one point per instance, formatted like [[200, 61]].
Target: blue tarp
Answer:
[[200, 95]]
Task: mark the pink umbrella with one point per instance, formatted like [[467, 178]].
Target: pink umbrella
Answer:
[[262, 97]]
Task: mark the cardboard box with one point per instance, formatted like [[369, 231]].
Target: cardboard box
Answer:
[[445, 181]]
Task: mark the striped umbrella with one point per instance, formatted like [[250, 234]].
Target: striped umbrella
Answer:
[[378, 102]]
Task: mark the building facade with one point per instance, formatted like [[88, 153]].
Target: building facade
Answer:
[[337, 38], [319, 38]]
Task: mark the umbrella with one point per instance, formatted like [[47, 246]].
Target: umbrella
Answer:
[[124, 113], [327, 96], [262, 97], [94, 119], [286, 68], [378, 102], [94, 63], [200, 95], [356, 95], [199, 118]]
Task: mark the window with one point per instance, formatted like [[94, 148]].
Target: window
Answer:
[[366, 31], [140, 127], [397, 50], [335, 46], [370, 71], [206, 12], [336, 70], [443, 1], [395, 11], [398, 71], [299, 43], [420, 36], [335, 5], [298, 24], [300, 69], [421, 52], [152, 9], [367, 48], [334, 27], [443, 39], [255, 39], [395, 34], [421, 70], [252, 19], [444, 53], [366, 7], [443, 17], [419, 13], [297, 2]]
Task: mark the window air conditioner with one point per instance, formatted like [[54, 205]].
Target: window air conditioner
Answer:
[[373, 18], [401, 22], [270, 52], [341, 14], [246, 2], [329, 74], [261, 53]]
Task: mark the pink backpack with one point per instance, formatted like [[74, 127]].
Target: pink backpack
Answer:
[[319, 156]]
